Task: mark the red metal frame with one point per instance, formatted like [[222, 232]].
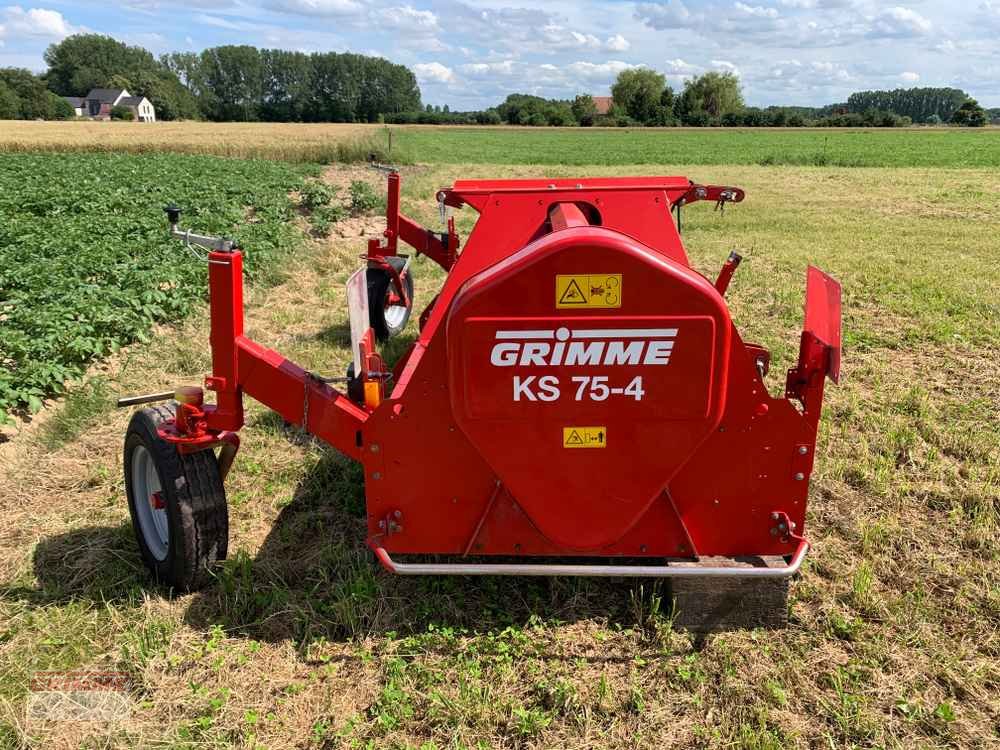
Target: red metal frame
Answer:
[[441, 248], [705, 462]]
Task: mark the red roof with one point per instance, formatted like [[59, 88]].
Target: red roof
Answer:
[[603, 104]]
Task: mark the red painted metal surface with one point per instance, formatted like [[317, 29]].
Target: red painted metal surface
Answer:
[[576, 387], [670, 347]]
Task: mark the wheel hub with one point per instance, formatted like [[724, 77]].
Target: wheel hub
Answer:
[[151, 514]]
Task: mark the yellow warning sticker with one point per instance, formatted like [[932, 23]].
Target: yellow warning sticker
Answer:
[[588, 290], [585, 437]]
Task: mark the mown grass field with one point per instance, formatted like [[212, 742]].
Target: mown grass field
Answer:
[[895, 620], [870, 147], [326, 143]]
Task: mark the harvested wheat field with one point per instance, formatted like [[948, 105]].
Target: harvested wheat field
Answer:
[[304, 642]]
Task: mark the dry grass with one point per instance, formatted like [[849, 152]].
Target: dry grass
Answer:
[[296, 142], [305, 643]]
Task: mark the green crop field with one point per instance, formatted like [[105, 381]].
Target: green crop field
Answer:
[[304, 642], [85, 261], [923, 147]]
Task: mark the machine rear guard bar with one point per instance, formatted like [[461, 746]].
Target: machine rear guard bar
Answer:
[[591, 571], [240, 365]]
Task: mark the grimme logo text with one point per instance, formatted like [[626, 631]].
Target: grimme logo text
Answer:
[[581, 347]]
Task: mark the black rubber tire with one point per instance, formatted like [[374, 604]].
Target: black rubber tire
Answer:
[[197, 514], [379, 283]]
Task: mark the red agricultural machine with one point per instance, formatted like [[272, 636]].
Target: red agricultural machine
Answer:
[[577, 401]]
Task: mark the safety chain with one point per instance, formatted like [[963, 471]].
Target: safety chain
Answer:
[[312, 377], [305, 401]]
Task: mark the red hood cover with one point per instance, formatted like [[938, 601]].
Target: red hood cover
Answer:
[[586, 369]]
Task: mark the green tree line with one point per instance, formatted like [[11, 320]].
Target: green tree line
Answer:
[[921, 105], [244, 83], [232, 82], [641, 97], [24, 96]]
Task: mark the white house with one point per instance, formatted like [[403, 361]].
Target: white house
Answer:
[[98, 104], [141, 107], [78, 103]]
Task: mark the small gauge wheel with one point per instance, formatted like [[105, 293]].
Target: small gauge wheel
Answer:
[[388, 313], [177, 503]]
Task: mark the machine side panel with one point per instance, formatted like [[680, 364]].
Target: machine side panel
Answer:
[[757, 461]]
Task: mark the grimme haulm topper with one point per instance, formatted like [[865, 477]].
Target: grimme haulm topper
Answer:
[[578, 400]]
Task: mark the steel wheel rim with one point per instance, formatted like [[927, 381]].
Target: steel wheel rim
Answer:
[[395, 315], [147, 491]]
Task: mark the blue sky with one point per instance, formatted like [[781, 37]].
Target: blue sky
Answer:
[[471, 54]]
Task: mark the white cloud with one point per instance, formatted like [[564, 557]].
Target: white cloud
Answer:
[[785, 69], [433, 72], [155, 43], [726, 23], [557, 37], [678, 70], [36, 22], [984, 81], [616, 43], [672, 14], [909, 76], [512, 28], [796, 81], [320, 8], [524, 31], [989, 13], [818, 4], [829, 71], [605, 71], [502, 68], [678, 66], [725, 66], [584, 40], [900, 23], [225, 23], [806, 24], [757, 10], [409, 18], [426, 44]]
